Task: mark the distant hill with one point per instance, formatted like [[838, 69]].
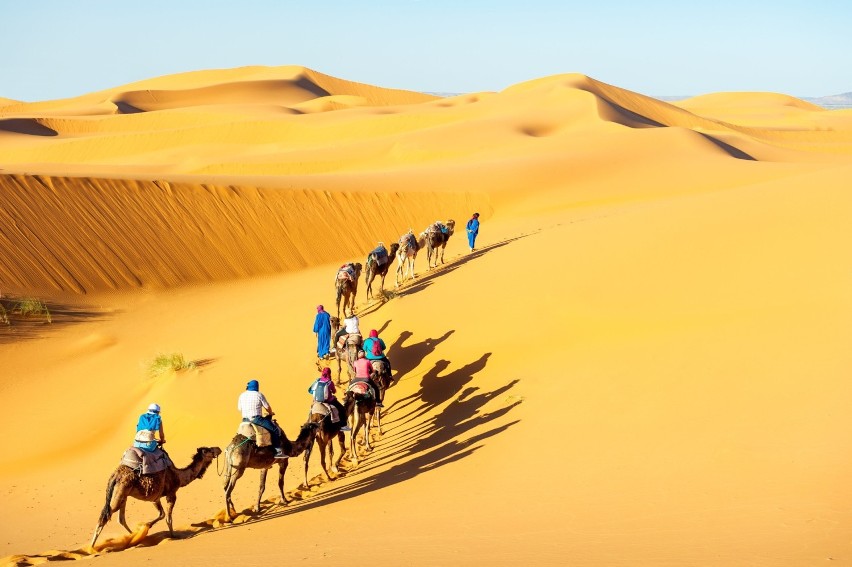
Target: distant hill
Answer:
[[834, 101], [830, 102]]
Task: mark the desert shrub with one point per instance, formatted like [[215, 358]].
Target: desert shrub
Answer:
[[163, 363], [32, 307]]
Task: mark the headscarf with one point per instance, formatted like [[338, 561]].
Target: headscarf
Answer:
[[320, 308], [253, 385], [326, 374], [374, 334]]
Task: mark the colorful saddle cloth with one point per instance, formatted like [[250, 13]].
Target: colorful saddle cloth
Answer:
[[146, 462]]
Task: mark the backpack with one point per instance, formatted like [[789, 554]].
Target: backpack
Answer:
[[376, 347], [320, 391]]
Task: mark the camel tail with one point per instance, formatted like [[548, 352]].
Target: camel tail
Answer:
[[106, 513]]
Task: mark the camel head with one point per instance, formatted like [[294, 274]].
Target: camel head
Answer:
[[358, 268], [393, 249], [207, 454], [451, 225]]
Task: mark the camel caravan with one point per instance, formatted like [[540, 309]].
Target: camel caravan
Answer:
[[147, 473]]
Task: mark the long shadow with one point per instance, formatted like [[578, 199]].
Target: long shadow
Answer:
[[424, 281], [729, 149], [26, 327], [406, 358], [419, 448]]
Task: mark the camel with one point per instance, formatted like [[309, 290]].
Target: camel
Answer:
[[436, 241], [381, 376], [242, 453], [373, 269], [126, 482], [349, 353], [346, 284], [407, 252], [362, 407], [326, 433]]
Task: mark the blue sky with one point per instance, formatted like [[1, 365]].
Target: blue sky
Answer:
[[62, 48]]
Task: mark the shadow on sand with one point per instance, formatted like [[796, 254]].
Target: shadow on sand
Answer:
[[17, 327], [414, 442]]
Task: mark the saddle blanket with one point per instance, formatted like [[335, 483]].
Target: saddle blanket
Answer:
[[353, 339], [146, 462], [359, 388], [380, 255], [346, 273], [324, 409], [258, 434]]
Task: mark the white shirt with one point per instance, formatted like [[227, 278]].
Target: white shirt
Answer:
[[351, 325], [250, 404]]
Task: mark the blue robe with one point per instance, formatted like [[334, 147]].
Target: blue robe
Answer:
[[322, 327], [472, 231]]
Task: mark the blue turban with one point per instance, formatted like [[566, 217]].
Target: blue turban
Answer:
[[253, 386]]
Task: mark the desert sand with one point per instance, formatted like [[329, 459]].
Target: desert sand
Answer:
[[643, 363]]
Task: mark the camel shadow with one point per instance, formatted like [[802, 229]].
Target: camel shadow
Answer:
[[409, 449], [406, 358]]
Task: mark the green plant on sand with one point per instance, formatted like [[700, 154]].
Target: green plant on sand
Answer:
[[163, 363]]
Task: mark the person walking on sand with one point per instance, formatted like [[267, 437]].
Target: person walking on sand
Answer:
[[472, 231], [322, 328], [251, 404], [150, 423]]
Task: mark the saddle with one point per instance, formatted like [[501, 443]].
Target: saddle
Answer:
[[146, 462], [346, 272], [408, 241], [352, 339], [437, 227], [260, 435], [378, 365], [380, 255], [324, 408], [362, 389]]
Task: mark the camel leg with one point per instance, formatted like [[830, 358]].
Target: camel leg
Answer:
[[162, 513], [232, 477], [379, 419], [398, 271], [282, 468], [170, 505], [261, 488], [367, 430], [121, 519], [353, 435], [323, 448], [308, 450], [341, 441]]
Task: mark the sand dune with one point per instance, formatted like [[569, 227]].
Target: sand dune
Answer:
[[644, 362]]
